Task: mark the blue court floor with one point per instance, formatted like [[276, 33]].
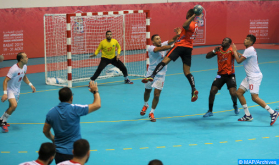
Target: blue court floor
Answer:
[[119, 135]]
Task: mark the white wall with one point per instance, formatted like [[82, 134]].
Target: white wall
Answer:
[[54, 3]]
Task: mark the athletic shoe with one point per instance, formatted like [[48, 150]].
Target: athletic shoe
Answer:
[[152, 118], [4, 128], [128, 81], [143, 111], [145, 80], [236, 110], [7, 124], [273, 116], [4, 123], [195, 96], [246, 118], [208, 114]]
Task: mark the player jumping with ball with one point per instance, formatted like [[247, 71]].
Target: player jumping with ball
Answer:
[[182, 48]]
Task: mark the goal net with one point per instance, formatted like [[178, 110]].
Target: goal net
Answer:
[[71, 38]]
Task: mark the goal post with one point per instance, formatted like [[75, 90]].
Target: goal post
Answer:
[[71, 38]]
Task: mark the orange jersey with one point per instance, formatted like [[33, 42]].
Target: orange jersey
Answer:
[[225, 61], [187, 37]]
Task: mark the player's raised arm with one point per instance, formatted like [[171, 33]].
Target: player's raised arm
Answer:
[[26, 80], [239, 59], [97, 100], [97, 50], [5, 84], [190, 17], [212, 53]]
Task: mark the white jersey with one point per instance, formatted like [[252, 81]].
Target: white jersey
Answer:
[[156, 58], [69, 162], [251, 63], [31, 163], [16, 75]]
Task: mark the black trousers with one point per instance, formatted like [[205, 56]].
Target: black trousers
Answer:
[[104, 62], [62, 157]]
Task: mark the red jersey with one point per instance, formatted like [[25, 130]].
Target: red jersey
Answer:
[[225, 61], [187, 37]]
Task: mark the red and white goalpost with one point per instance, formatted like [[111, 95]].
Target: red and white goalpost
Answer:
[[71, 38]]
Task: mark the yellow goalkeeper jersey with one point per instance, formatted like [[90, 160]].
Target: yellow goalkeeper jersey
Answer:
[[108, 48]]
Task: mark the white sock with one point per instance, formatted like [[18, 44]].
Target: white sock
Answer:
[[146, 104], [6, 116], [271, 111], [246, 110], [152, 110], [126, 78], [3, 116]]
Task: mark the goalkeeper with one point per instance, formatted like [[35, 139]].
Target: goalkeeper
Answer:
[[108, 57]]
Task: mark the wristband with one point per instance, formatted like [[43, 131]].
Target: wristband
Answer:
[[94, 92], [5, 92], [213, 51], [30, 84]]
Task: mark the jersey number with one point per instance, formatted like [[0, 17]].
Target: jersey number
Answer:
[[109, 49], [20, 79], [251, 86]]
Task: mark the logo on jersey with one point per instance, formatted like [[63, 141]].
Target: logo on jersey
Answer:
[[18, 73], [112, 45]]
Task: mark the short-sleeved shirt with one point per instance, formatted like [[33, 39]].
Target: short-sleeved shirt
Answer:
[[65, 121], [108, 48], [69, 162], [187, 37], [225, 61], [35, 162], [251, 65], [16, 75], [156, 57]]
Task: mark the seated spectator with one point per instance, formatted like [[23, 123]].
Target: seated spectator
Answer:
[[46, 155]]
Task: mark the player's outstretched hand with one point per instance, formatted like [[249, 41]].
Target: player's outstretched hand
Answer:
[[33, 89], [217, 49], [93, 86], [93, 55], [234, 47], [177, 30], [4, 98]]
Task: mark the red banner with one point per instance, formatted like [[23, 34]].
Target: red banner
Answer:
[[22, 29]]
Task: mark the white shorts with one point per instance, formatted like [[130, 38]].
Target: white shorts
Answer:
[[252, 84], [13, 95], [158, 81]]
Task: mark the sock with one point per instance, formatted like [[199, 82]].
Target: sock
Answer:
[[246, 110], [126, 78], [146, 103], [234, 103], [191, 80], [6, 116], [158, 68], [152, 110], [3, 116], [210, 107], [271, 111]]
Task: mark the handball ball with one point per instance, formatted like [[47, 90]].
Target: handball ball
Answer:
[[198, 9]]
